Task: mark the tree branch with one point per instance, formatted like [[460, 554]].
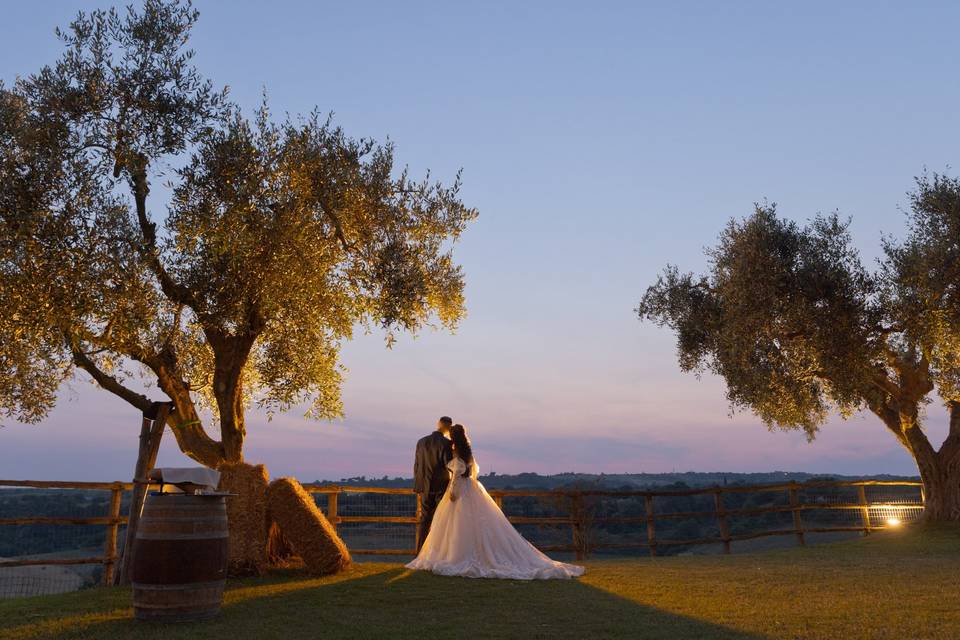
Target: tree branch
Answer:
[[950, 449], [108, 382], [954, 407], [919, 443], [174, 291], [337, 227], [885, 384], [889, 417], [791, 335], [184, 422]]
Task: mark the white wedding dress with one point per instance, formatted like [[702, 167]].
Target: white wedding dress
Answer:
[[471, 537]]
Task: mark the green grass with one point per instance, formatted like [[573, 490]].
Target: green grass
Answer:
[[895, 585]]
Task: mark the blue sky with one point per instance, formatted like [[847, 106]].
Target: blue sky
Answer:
[[600, 141]]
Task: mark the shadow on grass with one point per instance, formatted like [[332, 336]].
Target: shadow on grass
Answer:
[[389, 602]]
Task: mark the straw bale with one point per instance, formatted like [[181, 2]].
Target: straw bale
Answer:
[[246, 517], [306, 528]]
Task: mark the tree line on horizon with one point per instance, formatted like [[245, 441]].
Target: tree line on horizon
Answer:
[[623, 481]]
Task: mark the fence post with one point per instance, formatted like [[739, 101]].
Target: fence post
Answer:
[[651, 527], [578, 525], [332, 500], [110, 540], [722, 519], [419, 516], [797, 522], [864, 508]]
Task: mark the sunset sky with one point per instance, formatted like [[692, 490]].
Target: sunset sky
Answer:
[[600, 141]]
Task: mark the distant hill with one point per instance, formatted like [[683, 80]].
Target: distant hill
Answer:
[[624, 481]]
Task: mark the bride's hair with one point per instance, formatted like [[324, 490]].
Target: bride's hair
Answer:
[[462, 444]]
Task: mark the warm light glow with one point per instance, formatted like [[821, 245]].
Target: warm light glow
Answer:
[[893, 522]]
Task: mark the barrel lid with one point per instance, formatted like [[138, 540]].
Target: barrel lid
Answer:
[[209, 494]]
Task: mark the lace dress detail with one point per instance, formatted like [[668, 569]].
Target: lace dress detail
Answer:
[[471, 537]]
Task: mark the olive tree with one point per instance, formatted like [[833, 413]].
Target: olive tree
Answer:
[[798, 328], [275, 239]]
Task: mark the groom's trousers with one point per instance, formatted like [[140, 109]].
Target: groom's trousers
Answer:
[[428, 505]]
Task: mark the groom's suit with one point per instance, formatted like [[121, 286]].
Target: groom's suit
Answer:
[[430, 478]]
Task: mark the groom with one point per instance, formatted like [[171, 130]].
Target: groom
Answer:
[[430, 476]]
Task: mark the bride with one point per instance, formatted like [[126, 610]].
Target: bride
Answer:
[[471, 537]]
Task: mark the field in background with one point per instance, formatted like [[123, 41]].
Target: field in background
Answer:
[[891, 585]]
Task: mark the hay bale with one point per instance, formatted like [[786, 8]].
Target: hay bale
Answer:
[[306, 528], [279, 550], [246, 517]]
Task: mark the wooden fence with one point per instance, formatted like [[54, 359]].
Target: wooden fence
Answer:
[[112, 521], [579, 515]]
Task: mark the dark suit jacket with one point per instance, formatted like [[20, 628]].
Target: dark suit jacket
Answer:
[[430, 464]]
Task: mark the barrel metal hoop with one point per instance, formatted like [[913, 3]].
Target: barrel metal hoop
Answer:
[[191, 586], [203, 535]]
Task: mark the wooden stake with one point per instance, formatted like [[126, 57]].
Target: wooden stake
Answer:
[[151, 431], [579, 526], [332, 510], [651, 528], [865, 509], [797, 522], [418, 516], [722, 520]]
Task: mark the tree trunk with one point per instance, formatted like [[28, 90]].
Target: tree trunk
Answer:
[[185, 423], [939, 470], [230, 351], [232, 426], [230, 355], [941, 489]]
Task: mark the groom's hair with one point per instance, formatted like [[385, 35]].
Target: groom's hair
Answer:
[[447, 421]]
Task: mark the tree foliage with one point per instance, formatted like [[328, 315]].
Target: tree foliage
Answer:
[[278, 239], [798, 327], [784, 317], [921, 278]]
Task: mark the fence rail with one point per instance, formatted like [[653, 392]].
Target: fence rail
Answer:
[[580, 516]]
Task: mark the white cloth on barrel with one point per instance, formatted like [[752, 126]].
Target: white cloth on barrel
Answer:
[[197, 475]]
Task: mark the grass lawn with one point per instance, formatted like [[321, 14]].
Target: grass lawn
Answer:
[[896, 585]]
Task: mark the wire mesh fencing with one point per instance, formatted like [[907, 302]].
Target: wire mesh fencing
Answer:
[[54, 538], [18, 582], [668, 522], [57, 536], [395, 532]]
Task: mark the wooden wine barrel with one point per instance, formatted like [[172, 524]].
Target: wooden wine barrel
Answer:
[[180, 563]]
